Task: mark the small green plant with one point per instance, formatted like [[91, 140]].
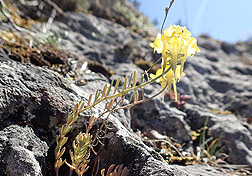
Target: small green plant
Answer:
[[62, 139], [80, 156], [208, 147], [165, 76], [111, 97], [175, 44], [47, 38], [135, 19], [118, 171]]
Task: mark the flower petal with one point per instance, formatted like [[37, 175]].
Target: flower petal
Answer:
[[158, 44]]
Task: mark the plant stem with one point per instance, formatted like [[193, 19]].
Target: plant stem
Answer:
[[125, 91]]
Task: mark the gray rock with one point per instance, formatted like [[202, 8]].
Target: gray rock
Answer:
[[99, 39], [228, 48], [157, 115], [236, 138], [21, 162], [209, 44], [161, 169], [219, 79], [22, 152], [203, 170], [26, 91], [87, 34], [123, 147], [47, 97]]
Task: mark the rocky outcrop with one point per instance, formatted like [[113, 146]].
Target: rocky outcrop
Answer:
[[158, 116], [22, 152], [235, 134], [41, 99], [35, 101], [219, 79]]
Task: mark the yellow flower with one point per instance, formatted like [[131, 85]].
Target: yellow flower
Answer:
[[175, 45], [188, 50], [169, 79]]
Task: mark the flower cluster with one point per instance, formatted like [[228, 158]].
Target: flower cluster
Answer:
[[175, 45]]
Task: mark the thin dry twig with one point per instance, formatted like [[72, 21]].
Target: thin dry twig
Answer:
[[155, 63], [167, 8], [50, 20], [97, 160], [55, 6], [29, 3]]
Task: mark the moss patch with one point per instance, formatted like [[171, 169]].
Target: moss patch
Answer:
[[21, 50]]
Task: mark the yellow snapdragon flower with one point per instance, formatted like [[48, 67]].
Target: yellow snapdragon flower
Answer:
[[175, 45], [169, 79]]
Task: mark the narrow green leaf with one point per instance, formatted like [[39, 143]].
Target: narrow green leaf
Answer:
[[89, 100], [213, 149], [69, 118], [131, 76], [56, 151], [58, 163], [135, 79], [63, 141], [136, 97], [76, 108], [97, 94], [110, 104], [62, 130], [71, 155], [203, 136], [104, 90], [57, 140], [62, 152], [125, 83], [132, 97], [116, 85], [218, 151], [66, 130], [82, 105], [109, 88], [75, 117], [211, 146]]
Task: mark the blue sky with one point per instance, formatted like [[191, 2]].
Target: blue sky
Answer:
[[226, 20]]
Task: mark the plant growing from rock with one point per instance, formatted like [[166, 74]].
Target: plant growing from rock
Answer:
[[118, 171], [208, 147], [136, 20], [175, 44]]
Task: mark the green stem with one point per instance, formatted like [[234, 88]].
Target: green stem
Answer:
[[126, 91]]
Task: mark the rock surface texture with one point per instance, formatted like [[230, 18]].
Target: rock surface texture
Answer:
[[44, 107], [35, 101]]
